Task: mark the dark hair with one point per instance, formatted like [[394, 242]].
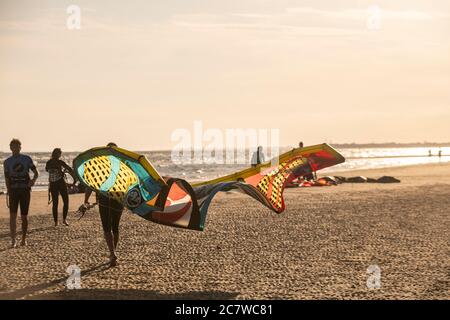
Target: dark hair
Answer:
[[15, 141], [111, 144], [55, 151]]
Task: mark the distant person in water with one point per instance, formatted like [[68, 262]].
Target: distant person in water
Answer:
[[429, 153], [110, 214], [258, 157], [18, 184], [440, 153], [56, 169]]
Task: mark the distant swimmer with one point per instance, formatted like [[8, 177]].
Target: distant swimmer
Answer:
[[110, 214], [440, 153], [56, 169], [429, 153], [258, 157], [18, 185]]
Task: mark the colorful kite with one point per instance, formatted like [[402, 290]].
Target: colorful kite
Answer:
[[130, 179]]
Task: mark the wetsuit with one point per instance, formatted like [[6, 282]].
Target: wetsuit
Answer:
[[17, 170], [110, 213], [58, 185]]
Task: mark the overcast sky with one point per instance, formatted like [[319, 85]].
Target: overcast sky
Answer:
[[138, 70]]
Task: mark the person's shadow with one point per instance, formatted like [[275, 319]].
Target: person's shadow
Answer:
[[109, 294], [21, 293], [19, 233]]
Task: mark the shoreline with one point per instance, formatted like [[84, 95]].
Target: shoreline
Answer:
[[392, 169], [410, 175], [350, 172]]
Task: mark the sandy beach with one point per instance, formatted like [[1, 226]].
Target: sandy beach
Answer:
[[319, 248]]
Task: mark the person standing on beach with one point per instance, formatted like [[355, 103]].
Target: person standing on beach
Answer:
[[18, 185], [57, 185], [258, 157], [110, 214]]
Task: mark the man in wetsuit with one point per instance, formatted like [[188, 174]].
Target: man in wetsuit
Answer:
[[18, 184], [110, 214], [56, 169]]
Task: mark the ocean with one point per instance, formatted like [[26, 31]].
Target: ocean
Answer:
[[356, 158]]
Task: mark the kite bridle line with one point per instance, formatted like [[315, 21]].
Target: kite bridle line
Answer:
[[85, 208]]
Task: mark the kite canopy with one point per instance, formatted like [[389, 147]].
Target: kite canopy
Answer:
[[130, 179]]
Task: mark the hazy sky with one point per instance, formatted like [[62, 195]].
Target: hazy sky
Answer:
[[137, 70]]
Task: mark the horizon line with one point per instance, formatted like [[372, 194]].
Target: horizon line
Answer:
[[344, 145]]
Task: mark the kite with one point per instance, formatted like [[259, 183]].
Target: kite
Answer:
[[130, 178]]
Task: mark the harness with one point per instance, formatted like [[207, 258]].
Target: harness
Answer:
[[19, 179]]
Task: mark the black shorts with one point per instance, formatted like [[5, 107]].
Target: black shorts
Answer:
[[19, 197]]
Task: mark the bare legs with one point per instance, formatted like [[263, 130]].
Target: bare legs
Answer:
[[116, 239], [24, 230], [111, 247], [13, 229], [18, 197], [110, 214]]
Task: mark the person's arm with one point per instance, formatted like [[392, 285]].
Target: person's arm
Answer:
[[35, 176], [70, 170], [35, 173], [7, 178]]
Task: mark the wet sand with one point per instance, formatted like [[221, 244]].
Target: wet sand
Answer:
[[319, 248]]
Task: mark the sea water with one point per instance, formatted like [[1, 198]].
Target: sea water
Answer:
[[356, 158]]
